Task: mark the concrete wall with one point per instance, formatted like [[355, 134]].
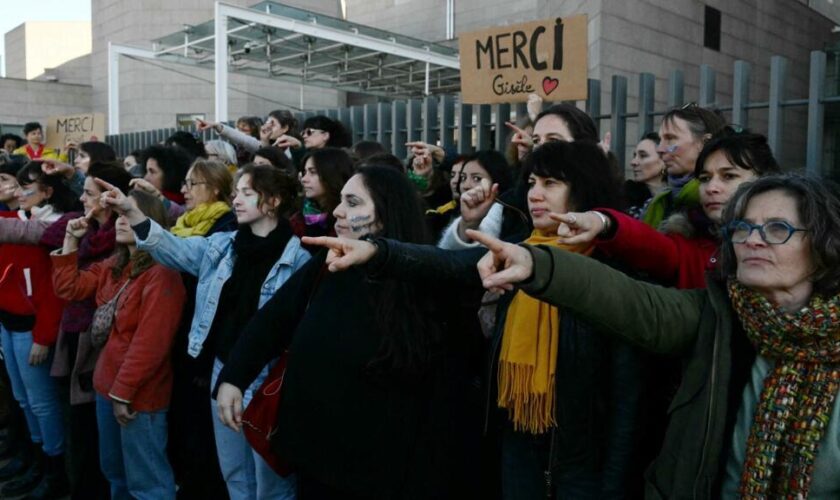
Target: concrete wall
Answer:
[[47, 44], [24, 101], [152, 93], [15, 40], [76, 71], [628, 37], [657, 36]]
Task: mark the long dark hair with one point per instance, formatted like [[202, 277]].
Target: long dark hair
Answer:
[[403, 313], [334, 167], [62, 199]]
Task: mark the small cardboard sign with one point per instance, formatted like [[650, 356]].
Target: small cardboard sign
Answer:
[[506, 64], [78, 128]]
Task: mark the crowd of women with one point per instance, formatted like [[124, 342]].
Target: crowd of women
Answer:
[[280, 314]]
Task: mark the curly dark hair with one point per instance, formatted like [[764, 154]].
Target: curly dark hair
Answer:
[[174, 162], [818, 203], [271, 182]]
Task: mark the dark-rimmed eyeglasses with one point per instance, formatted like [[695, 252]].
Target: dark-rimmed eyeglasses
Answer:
[[190, 184], [776, 232]]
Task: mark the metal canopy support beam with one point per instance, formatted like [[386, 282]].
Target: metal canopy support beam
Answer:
[[114, 53], [337, 35], [221, 63]]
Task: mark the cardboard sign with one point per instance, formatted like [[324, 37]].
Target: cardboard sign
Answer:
[[547, 58], [78, 128]]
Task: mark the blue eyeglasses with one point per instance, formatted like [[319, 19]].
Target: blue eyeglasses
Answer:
[[776, 232]]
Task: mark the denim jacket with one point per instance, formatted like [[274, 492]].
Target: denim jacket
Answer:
[[211, 260]]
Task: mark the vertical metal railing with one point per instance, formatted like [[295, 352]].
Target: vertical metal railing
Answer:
[[465, 128]]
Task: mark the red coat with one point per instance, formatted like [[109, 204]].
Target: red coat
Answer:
[[669, 258], [135, 365], [26, 287]]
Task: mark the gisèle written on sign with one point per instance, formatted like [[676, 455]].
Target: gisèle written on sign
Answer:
[[547, 58]]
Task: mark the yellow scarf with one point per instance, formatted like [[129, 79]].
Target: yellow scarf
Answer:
[[200, 219], [528, 358]]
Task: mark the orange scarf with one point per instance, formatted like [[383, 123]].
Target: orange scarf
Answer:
[[528, 358]]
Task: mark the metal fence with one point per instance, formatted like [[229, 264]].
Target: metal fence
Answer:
[[466, 127]]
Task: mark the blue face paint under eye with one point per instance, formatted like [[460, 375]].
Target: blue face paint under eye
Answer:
[[672, 148], [359, 222]]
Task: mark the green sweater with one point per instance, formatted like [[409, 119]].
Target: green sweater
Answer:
[[698, 325]]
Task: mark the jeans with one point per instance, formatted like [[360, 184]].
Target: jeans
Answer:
[[35, 391], [247, 475], [133, 457]]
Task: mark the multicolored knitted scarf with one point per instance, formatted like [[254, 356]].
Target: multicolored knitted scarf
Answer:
[[798, 396]]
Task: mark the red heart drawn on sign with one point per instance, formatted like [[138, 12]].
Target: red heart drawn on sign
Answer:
[[549, 84]]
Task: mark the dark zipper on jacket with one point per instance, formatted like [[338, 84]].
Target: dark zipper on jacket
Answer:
[[709, 416], [491, 369]]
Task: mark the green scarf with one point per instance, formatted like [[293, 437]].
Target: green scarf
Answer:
[[661, 204], [798, 396], [199, 220]]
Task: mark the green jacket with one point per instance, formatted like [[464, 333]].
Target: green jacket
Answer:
[[698, 325]]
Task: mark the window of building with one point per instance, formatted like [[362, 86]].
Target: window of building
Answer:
[[711, 29]]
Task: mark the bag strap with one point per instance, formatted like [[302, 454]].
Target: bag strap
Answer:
[[117, 296]]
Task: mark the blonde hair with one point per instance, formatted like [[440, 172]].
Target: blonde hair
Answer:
[[217, 176]]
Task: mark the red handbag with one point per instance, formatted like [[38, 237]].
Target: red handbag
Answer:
[[260, 417]]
